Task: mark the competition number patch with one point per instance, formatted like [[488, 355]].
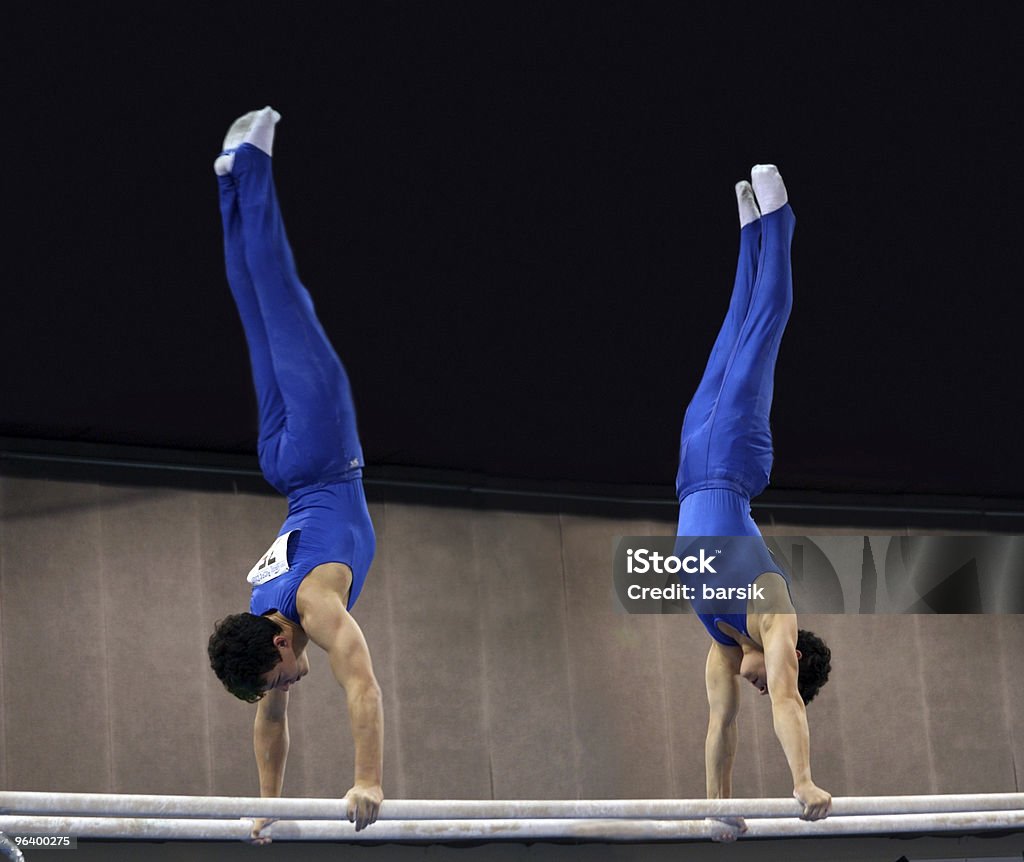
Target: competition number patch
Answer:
[[272, 564]]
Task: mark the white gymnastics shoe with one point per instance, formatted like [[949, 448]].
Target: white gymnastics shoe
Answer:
[[746, 203], [256, 128], [768, 187]]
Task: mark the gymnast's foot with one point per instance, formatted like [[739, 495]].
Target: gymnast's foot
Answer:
[[746, 203], [256, 128], [768, 187]]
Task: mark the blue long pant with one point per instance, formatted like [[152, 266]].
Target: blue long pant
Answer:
[[725, 451], [307, 419]]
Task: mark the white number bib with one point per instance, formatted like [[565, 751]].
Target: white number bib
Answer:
[[272, 564]]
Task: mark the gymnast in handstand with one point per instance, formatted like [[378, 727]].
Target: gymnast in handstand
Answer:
[[724, 461], [306, 584]]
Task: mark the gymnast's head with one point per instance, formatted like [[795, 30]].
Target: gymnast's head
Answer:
[[243, 650], [813, 665], [815, 662]]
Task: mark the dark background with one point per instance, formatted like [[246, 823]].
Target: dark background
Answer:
[[518, 223]]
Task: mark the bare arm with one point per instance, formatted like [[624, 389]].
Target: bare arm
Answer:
[[720, 745], [331, 627], [270, 744], [778, 633], [723, 706], [270, 741]]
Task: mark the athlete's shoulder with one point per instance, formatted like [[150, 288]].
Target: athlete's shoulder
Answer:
[[324, 582], [771, 594]]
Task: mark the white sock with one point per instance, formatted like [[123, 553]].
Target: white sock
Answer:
[[223, 164], [261, 132], [769, 188], [746, 203], [256, 128]]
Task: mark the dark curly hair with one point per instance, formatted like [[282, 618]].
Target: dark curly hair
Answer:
[[241, 650], [815, 664]]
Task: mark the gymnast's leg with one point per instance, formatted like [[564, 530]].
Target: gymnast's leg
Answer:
[[739, 438], [268, 396], [693, 455], [307, 429], [746, 270]]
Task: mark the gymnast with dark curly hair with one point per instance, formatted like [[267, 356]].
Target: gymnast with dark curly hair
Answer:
[[304, 586], [724, 461]]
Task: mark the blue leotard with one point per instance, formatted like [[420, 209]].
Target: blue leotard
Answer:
[[725, 452], [309, 447], [326, 523]]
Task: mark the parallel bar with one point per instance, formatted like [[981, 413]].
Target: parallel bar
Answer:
[[232, 807], [141, 829]]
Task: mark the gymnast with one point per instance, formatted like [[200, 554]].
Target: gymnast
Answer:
[[304, 587], [724, 460]]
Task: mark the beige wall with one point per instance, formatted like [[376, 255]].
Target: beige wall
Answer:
[[505, 670]]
